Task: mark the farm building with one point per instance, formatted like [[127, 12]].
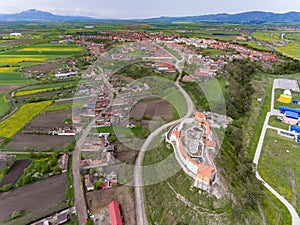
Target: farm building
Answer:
[[296, 129], [285, 98], [65, 75], [115, 214], [15, 34], [289, 115]]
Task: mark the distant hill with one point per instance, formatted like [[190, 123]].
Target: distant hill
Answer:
[[255, 17], [36, 15]]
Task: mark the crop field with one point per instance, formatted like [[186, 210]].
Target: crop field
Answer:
[[49, 120], [279, 166], [13, 79], [267, 36], [15, 172], [4, 89], [51, 85], [15, 59], [51, 50], [37, 200], [7, 69], [19, 119], [43, 49], [291, 49], [157, 108], [35, 91], [38, 142], [293, 36]]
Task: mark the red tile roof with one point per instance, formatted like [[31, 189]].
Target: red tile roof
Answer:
[[114, 212]]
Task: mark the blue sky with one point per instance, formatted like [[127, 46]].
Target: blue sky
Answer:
[[147, 8]]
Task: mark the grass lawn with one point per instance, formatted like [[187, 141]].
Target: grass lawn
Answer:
[[275, 122], [279, 168]]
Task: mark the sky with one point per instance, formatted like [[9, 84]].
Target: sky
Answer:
[[130, 9]]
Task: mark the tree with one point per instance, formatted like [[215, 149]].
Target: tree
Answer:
[[112, 139], [56, 169], [98, 184], [90, 222]]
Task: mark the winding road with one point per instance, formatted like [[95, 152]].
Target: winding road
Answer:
[[141, 218]]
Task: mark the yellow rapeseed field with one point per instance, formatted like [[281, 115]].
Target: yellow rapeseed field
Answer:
[[17, 59], [28, 92], [10, 126], [7, 69], [50, 49]]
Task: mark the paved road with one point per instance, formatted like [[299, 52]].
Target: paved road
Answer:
[[80, 202], [295, 217], [141, 218]]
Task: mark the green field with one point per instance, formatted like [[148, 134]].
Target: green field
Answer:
[[14, 79], [19, 119], [292, 49], [3, 105], [280, 168]]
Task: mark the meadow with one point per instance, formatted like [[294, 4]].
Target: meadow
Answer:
[[19, 119], [279, 166]]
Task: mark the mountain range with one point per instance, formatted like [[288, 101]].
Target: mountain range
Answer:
[[254, 17]]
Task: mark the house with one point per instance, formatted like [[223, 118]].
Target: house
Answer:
[[88, 183], [63, 162], [76, 119], [114, 213], [289, 115]]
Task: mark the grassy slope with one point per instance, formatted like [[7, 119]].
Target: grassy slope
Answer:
[[278, 167]]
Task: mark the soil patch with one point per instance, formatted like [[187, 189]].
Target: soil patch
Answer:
[[15, 172], [4, 89], [157, 108], [98, 200], [49, 120], [39, 142], [37, 200]]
